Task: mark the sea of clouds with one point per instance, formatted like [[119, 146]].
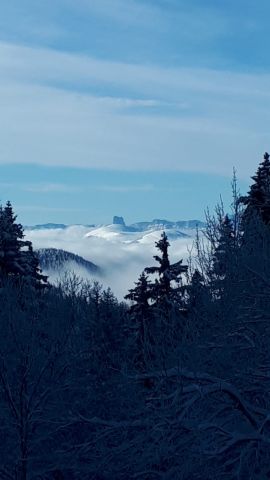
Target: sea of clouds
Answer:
[[121, 257]]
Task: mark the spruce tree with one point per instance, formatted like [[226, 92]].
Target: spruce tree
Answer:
[[198, 304], [17, 258], [11, 242], [141, 316], [140, 296], [167, 290], [241, 261], [223, 257], [32, 271], [196, 290], [257, 210], [258, 197], [255, 238]]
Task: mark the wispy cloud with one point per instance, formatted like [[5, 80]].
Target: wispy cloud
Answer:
[[45, 208], [50, 188], [85, 73], [125, 188], [41, 187], [130, 12], [47, 188], [52, 106]]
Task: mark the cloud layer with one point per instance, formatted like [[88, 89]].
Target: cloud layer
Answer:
[[121, 262], [54, 112]]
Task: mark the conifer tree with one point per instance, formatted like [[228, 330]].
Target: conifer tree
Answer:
[[255, 239], [32, 271], [140, 296], [258, 197], [198, 304], [17, 257], [224, 256], [141, 316], [196, 290], [11, 242], [167, 290]]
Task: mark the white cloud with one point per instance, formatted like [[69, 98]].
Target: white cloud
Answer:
[[125, 188], [50, 188], [67, 188], [121, 262], [45, 66], [44, 208], [173, 119]]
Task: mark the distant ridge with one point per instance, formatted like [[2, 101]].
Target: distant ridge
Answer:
[[157, 224], [54, 259]]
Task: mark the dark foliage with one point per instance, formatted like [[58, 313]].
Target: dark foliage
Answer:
[[56, 259], [174, 385], [17, 258]]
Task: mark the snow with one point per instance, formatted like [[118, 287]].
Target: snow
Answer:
[[111, 232], [121, 253], [154, 236], [121, 233]]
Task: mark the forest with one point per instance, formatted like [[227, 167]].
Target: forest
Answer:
[[171, 383]]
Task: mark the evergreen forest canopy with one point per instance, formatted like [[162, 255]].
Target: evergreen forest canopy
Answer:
[[172, 384]]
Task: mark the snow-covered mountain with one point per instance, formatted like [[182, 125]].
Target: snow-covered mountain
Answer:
[[124, 234], [121, 251], [118, 224], [158, 224], [144, 232]]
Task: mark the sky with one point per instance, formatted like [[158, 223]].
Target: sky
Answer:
[[139, 108]]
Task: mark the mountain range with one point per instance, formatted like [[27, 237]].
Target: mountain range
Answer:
[[156, 224]]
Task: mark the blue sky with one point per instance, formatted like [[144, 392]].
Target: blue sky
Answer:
[[138, 108]]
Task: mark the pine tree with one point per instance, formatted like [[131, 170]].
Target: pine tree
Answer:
[[223, 257], [32, 271], [140, 296], [255, 238], [257, 210], [141, 316], [17, 258], [11, 242], [258, 197], [167, 290], [196, 290], [198, 304]]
